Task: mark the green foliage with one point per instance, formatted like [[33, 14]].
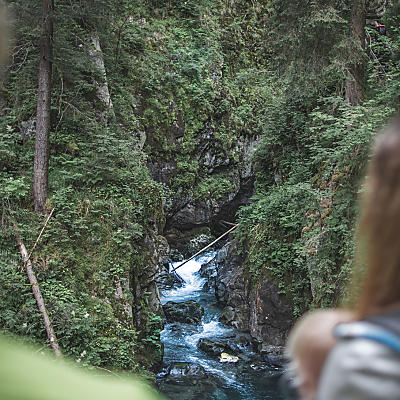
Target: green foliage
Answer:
[[384, 56], [195, 87], [104, 199], [310, 43], [176, 83], [85, 325], [182, 75], [269, 231], [317, 145], [150, 345], [214, 187]]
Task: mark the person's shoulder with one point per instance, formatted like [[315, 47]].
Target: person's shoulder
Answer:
[[360, 368], [361, 349], [362, 354]]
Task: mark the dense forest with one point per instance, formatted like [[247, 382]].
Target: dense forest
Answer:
[[164, 119]]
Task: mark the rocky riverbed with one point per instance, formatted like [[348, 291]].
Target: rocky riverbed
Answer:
[[205, 358]]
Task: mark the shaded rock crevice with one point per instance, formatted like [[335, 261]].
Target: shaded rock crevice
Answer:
[[227, 174]]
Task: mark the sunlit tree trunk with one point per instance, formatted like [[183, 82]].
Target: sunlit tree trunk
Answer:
[[41, 161], [355, 79], [103, 92]]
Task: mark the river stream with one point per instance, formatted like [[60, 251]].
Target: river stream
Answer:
[[246, 379]]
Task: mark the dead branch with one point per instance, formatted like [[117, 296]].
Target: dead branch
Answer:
[[37, 293]]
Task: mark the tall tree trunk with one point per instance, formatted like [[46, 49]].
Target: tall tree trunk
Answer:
[[41, 161], [38, 296], [355, 79]]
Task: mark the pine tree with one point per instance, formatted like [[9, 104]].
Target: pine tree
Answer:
[[41, 161], [356, 69]]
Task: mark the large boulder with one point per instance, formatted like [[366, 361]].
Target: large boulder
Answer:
[[212, 347], [274, 355], [189, 312], [236, 345], [188, 381], [185, 370]]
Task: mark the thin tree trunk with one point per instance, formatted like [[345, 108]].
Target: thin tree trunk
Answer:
[[41, 161], [38, 296], [355, 80], [103, 92]]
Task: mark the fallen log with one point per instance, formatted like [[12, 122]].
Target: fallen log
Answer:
[[38, 294], [205, 248]]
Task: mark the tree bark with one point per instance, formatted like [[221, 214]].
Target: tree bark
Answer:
[[38, 296], [41, 161], [355, 79], [103, 92]]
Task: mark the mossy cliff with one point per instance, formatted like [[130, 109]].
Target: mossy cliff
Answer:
[[200, 83], [156, 110], [136, 86]]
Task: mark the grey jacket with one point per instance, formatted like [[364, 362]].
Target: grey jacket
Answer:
[[363, 369]]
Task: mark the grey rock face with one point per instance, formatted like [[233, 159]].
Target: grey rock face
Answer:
[[188, 209], [162, 171], [270, 314], [143, 288], [158, 247], [199, 242], [209, 271], [257, 309], [191, 215], [166, 280], [189, 312], [230, 288]]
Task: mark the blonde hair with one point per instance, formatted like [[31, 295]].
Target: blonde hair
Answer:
[[378, 231]]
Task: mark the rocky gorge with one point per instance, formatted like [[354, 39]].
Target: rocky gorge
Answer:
[[169, 123], [256, 310], [204, 358]]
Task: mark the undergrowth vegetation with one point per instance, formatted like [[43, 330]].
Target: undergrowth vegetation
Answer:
[[181, 75], [310, 168], [105, 203]]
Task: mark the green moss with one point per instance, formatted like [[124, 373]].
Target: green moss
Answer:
[[215, 187]]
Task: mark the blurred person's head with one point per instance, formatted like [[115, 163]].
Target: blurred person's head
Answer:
[[308, 345], [379, 228]]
